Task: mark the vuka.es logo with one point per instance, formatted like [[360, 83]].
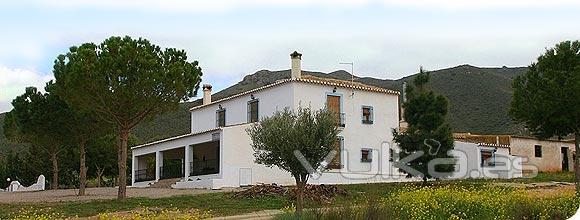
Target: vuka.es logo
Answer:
[[315, 173], [508, 164], [402, 164]]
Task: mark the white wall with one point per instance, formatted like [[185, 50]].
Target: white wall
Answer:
[[238, 154], [469, 162], [377, 136], [270, 100]]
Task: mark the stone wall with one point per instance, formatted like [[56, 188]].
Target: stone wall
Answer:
[[551, 159]]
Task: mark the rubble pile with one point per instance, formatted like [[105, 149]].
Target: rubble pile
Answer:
[[318, 193]]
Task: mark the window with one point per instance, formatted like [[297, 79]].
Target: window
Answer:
[[538, 150], [487, 158], [367, 115], [220, 120], [253, 110], [215, 137], [333, 104], [338, 146], [391, 155], [366, 155]]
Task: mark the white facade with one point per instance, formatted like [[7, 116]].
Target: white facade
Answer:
[[236, 161], [471, 163], [216, 155], [270, 100]]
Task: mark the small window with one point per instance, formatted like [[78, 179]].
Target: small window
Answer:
[[538, 150], [367, 115], [338, 146], [215, 137], [221, 117], [487, 158], [253, 110], [366, 155]]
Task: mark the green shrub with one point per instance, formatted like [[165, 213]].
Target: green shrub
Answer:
[[35, 214], [151, 214], [489, 202], [456, 202]]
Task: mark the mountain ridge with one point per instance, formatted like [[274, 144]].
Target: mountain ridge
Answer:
[[479, 99]]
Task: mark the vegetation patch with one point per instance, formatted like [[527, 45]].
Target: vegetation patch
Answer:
[[146, 213], [454, 202]]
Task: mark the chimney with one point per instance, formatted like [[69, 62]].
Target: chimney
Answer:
[[403, 125], [296, 71], [206, 94]]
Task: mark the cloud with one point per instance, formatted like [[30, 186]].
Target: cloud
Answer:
[[224, 5], [14, 81]]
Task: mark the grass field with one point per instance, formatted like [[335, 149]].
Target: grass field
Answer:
[[222, 204]]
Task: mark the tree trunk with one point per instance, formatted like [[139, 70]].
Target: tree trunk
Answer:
[[299, 197], [83, 169], [54, 159], [122, 157], [99, 176], [577, 161]]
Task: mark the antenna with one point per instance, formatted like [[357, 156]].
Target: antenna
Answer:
[[351, 76]]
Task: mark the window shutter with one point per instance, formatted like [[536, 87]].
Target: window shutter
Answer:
[[338, 146], [255, 111], [252, 111], [220, 118], [333, 105], [217, 118]]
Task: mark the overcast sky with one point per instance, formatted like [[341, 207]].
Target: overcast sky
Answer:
[[385, 39]]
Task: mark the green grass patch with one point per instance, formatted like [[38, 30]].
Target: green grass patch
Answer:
[[453, 201], [222, 203]]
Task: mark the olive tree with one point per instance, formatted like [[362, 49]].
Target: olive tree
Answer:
[[125, 81], [278, 139]]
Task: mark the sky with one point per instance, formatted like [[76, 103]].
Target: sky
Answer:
[[386, 39]]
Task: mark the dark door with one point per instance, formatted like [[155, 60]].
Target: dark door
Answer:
[[333, 105], [564, 151]]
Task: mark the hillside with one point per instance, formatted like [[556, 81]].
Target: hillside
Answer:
[[479, 99]]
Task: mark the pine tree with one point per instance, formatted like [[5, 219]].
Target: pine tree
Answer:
[[428, 135], [547, 98]]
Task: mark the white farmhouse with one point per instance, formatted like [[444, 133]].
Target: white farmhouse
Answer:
[[485, 160], [217, 153]]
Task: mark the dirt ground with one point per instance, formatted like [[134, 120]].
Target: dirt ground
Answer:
[[63, 195]]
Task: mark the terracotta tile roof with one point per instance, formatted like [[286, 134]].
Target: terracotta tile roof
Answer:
[[566, 140], [496, 139], [344, 84], [483, 139], [312, 80], [175, 138], [494, 145]]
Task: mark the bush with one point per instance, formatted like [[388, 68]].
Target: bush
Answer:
[[146, 213], [456, 202], [488, 202], [36, 214]]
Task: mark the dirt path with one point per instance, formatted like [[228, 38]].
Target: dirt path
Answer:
[[62, 195]]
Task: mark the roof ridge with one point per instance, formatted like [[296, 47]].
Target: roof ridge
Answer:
[[320, 81]]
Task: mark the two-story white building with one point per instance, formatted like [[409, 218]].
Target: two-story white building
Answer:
[[217, 153]]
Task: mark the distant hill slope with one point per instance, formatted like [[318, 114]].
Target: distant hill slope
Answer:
[[479, 99]]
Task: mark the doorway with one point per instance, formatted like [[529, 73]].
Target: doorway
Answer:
[[564, 151]]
